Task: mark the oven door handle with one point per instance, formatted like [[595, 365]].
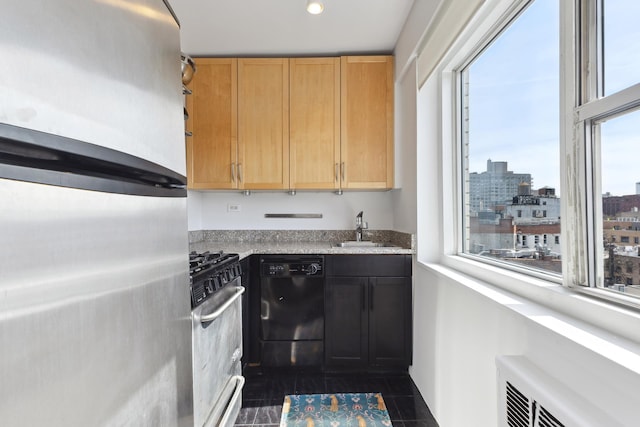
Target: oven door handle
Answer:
[[239, 290], [239, 379]]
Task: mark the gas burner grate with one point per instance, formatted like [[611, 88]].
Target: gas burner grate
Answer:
[[206, 260], [209, 272]]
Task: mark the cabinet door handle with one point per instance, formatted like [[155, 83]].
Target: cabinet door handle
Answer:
[[337, 172], [240, 172], [364, 303], [342, 170], [233, 172]]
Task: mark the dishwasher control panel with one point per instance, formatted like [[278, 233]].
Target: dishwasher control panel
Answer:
[[292, 266]]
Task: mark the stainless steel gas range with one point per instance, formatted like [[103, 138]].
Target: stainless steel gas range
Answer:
[[216, 290]]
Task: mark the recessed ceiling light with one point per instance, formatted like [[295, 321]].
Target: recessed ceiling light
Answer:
[[315, 7]]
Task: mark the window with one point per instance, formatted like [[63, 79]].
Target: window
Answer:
[[509, 109], [621, 53], [608, 111], [529, 94]]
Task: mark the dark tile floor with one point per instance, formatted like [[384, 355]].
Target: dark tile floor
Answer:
[[264, 393]]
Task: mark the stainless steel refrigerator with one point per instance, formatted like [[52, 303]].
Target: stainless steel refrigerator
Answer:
[[95, 316]]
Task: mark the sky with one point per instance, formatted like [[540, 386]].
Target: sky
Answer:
[[621, 146], [514, 89]]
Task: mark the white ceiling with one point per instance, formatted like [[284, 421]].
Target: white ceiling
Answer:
[[283, 27]]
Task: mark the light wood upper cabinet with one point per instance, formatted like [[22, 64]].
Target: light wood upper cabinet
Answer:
[[213, 120], [263, 123], [299, 123], [367, 122], [314, 122]]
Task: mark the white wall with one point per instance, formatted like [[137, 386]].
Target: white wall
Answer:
[[463, 324], [404, 199], [458, 334], [209, 210]]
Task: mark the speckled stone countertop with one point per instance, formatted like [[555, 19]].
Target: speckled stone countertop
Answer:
[[248, 242]]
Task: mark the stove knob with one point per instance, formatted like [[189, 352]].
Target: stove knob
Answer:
[[313, 268], [209, 286]]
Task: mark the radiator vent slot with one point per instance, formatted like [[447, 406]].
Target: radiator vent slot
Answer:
[[518, 407], [548, 420], [530, 397], [524, 412]]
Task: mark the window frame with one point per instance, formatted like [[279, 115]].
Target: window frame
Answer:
[[581, 107], [591, 108], [504, 12], [483, 27]]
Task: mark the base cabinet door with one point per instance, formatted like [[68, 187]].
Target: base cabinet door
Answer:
[[346, 319], [390, 331], [368, 319]]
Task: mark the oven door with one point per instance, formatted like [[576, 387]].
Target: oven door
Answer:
[[217, 350]]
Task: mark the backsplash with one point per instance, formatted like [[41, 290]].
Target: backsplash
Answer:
[[405, 240]]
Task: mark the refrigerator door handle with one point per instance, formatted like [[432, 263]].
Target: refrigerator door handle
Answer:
[[239, 290]]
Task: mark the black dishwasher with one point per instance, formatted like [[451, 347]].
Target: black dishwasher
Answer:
[[291, 310]]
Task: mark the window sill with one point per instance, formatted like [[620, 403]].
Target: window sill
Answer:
[[606, 328]]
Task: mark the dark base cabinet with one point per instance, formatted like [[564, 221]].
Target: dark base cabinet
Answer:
[[368, 312], [346, 322]]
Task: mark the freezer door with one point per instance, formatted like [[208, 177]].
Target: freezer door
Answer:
[[106, 72], [95, 325]]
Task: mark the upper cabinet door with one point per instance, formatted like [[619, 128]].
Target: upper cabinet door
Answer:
[[367, 122], [213, 120], [263, 118], [314, 123]]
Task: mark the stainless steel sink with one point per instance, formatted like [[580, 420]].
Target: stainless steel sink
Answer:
[[363, 244]]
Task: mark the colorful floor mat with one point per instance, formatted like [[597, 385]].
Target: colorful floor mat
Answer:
[[334, 410]]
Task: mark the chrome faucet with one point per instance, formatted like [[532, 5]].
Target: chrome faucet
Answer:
[[360, 225]]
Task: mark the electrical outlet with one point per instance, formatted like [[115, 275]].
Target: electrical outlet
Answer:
[[233, 208]]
